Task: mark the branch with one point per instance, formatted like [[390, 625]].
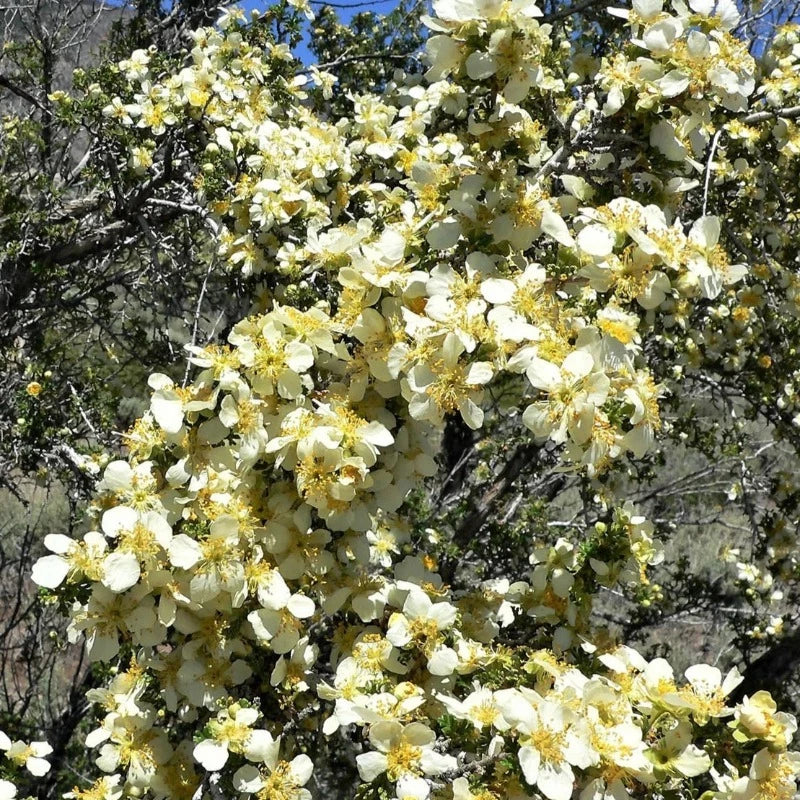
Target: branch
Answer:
[[468, 768], [763, 116], [24, 94], [102, 241], [366, 57], [524, 456], [552, 163], [98, 243]]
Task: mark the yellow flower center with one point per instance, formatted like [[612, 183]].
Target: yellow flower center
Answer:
[[280, 785], [402, 759], [548, 743], [140, 541]]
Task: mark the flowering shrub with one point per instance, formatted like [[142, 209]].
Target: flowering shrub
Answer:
[[253, 573]]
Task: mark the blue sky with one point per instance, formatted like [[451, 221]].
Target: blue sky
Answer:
[[345, 10]]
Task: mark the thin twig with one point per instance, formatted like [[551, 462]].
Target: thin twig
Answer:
[[197, 317], [712, 151]]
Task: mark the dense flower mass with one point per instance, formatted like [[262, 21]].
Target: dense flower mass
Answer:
[[251, 571]]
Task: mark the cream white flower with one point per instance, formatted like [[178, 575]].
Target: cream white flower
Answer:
[[295, 672], [575, 391], [85, 557], [166, 403], [479, 707], [424, 622], [757, 717], [705, 695], [30, 756], [402, 750], [233, 731], [449, 385], [707, 262], [675, 753], [277, 778], [549, 745], [281, 627]]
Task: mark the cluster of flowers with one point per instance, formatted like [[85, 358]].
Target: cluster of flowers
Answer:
[[257, 527], [403, 319]]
